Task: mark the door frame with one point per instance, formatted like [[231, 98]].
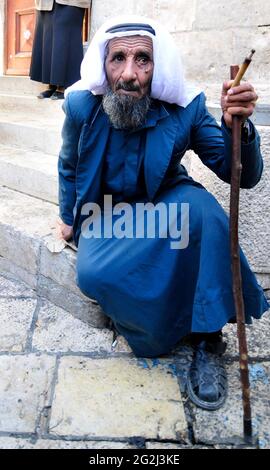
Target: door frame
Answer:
[[4, 58], [5, 32], [5, 48]]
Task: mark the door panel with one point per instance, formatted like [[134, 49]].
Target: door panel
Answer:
[[19, 36]]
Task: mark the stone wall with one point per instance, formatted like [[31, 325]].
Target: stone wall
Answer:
[[210, 34]]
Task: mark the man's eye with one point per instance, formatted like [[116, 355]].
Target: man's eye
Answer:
[[142, 59], [118, 58]]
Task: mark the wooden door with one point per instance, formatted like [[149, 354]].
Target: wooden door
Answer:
[[20, 26]]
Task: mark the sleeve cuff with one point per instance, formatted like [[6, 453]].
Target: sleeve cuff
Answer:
[[248, 134]]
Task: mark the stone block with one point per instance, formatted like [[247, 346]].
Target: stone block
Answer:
[[258, 39], [13, 288], [9, 268], [60, 267], [32, 173], [117, 397], [263, 278], [231, 14], [102, 11], [171, 445], [45, 138], [19, 84], [57, 330], [174, 16], [15, 321], [225, 426], [25, 387], [19, 248], [24, 221], [86, 311], [19, 443], [258, 338], [14, 101], [33, 217], [201, 62]]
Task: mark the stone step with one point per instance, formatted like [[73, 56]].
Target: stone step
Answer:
[[30, 172], [21, 85], [28, 131], [31, 104], [26, 226]]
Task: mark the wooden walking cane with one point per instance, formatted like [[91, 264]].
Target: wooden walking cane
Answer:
[[236, 169]]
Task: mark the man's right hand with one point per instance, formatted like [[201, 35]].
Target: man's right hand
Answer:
[[64, 231]]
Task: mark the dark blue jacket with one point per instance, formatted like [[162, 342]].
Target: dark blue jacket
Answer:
[[170, 130]]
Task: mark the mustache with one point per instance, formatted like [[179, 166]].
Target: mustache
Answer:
[[126, 86]]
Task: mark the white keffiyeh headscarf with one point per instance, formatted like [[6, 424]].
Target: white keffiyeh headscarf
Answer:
[[168, 83]]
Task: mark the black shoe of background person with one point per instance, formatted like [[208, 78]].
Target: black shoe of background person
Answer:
[[58, 95], [47, 93]]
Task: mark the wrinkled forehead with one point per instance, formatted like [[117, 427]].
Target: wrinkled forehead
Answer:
[[130, 42]]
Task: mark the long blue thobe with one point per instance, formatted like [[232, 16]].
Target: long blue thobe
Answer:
[[155, 295]]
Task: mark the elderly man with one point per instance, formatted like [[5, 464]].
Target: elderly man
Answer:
[[166, 276]]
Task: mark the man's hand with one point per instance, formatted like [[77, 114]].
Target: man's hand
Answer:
[[239, 101], [64, 231]]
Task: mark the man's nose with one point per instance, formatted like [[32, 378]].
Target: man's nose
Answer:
[[129, 71]]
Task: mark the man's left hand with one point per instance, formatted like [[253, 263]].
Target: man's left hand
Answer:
[[237, 101]]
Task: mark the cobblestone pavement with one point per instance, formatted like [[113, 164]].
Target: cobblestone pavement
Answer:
[[64, 384]]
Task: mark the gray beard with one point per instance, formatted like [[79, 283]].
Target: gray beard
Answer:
[[125, 112]]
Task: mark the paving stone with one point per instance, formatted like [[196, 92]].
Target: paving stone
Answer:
[[18, 443], [117, 397], [225, 426], [258, 338], [25, 383], [242, 446], [58, 330], [15, 321], [14, 288], [171, 445], [122, 345]]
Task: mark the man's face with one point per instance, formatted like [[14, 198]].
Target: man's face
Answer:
[[129, 65]]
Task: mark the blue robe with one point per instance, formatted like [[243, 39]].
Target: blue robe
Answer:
[[154, 294]]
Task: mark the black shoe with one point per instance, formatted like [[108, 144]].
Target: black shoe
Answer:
[[207, 385], [47, 93], [57, 95]]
